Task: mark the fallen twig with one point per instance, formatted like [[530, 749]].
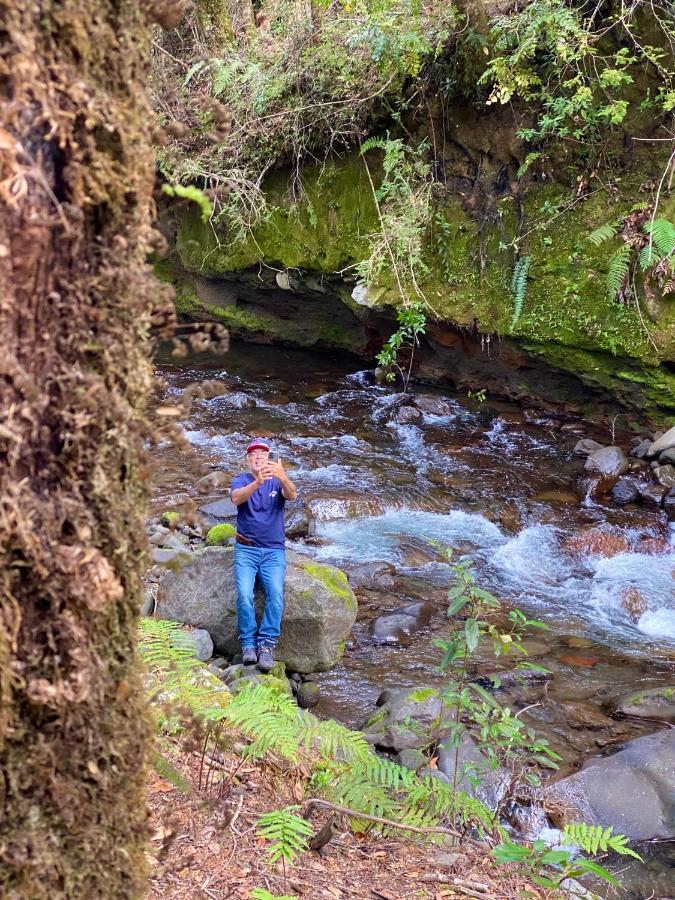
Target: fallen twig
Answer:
[[432, 829]]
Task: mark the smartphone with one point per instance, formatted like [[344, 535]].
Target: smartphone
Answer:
[[273, 456]]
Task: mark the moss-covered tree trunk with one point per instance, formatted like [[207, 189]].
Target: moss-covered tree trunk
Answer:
[[76, 307]]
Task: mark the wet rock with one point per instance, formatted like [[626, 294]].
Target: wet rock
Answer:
[[558, 496], [219, 511], [586, 446], [594, 487], [598, 542], [625, 491], [326, 509], [631, 790], [407, 415], [655, 703], [469, 762], [376, 574], [584, 715], [434, 406], [665, 442], [510, 518], [633, 603], [642, 449], [319, 611], [669, 505], [665, 476], [398, 626], [307, 695], [651, 495], [237, 400], [608, 461], [212, 482], [655, 546], [412, 759], [407, 721], [668, 457], [200, 639], [583, 662], [299, 522]]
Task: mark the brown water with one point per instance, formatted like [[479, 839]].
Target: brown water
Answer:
[[491, 480]]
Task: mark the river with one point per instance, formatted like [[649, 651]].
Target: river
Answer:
[[490, 479]]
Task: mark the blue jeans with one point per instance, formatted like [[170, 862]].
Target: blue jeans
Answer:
[[271, 566]]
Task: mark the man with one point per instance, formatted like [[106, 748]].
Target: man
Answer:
[[260, 496]]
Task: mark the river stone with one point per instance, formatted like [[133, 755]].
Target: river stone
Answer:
[[406, 721], [434, 406], [412, 759], [239, 676], [665, 476], [307, 694], [299, 522], [378, 574], [642, 449], [625, 491], [399, 625], [665, 442], [608, 461], [219, 511], [655, 703], [212, 482], [651, 494], [669, 505], [668, 456], [585, 447], [319, 612], [200, 640], [475, 774], [407, 415], [633, 790]]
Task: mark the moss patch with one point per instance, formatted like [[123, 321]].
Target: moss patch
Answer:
[[170, 517], [220, 534], [334, 580], [422, 694]]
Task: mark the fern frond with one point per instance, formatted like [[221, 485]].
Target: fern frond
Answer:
[[604, 233], [518, 286], [286, 832], [662, 233], [594, 838], [617, 273], [373, 143]]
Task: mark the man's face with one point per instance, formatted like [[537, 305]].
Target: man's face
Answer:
[[257, 460]]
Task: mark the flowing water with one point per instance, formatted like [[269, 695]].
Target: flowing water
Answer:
[[491, 480]]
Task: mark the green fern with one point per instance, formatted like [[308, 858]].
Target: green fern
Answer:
[[662, 243], [286, 832], [604, 233], [619, 266], [594, 838], [192, 193], [373, 143], [518, 287]]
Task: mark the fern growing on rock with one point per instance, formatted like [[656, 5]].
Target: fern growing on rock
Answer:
[[518, 287]]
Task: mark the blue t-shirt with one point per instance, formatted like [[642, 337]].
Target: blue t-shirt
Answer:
[[261, 517]]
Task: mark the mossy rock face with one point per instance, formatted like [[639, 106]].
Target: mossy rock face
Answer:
[[654, 703], [220, 534], [319, 610], [567, 321]]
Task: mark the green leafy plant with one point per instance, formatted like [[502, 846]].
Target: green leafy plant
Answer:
[[412, 323], [594, 838], [518, 287], [286, 832]]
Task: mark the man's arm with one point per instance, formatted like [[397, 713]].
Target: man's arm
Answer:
[[288, 489], [242, 494]]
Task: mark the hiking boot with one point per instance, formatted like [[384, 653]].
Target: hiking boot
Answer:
[[249, 656], [265, 657]]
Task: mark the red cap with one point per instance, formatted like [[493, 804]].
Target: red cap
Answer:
[[257, 445]]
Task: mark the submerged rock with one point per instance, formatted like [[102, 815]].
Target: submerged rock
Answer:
[[632, 790], [625, 491], [598, 542], [655, 703], [398, 626], [319, 612]]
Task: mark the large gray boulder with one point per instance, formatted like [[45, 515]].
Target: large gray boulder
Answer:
[[608, 461], [665, 442], [320, 607], [633, 790]]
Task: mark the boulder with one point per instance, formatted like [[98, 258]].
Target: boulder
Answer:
[[299, 522], [307, 695], [319, 612], [585, 447], [632, 790], [375, 574], [668, 457], [407, 720], [407, 415], [434, 406], [642, 449], [650, 494], [625, 491], [398, 626], [219, 511], [655, 703], [608, 461], [200, 639], [665, 442]]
